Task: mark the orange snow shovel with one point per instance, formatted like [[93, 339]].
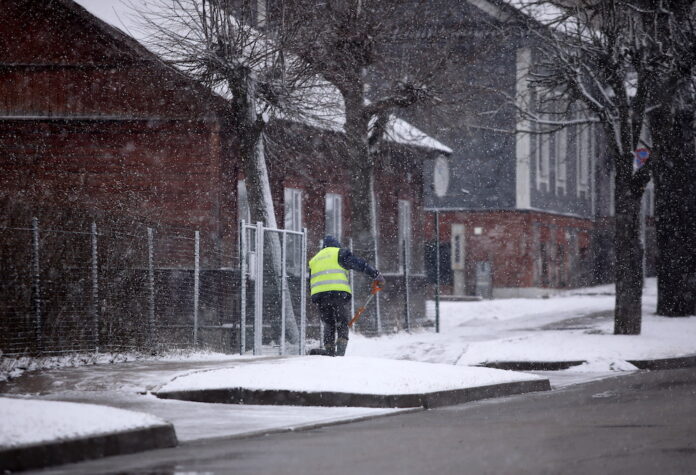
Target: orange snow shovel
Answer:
[[373, 291]]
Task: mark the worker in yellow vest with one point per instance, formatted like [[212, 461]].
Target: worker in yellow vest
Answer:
[[330, 290]]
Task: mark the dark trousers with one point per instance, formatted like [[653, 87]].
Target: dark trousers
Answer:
[[334, 312]]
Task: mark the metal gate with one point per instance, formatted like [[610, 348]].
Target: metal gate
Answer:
[[273, 290]]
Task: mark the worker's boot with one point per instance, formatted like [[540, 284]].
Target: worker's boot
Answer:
[[328, 350], [341, 345]]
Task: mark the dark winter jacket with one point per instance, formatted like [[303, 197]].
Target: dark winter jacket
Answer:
[[349, 261]]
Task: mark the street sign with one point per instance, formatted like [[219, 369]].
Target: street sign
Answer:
[[641, 156]]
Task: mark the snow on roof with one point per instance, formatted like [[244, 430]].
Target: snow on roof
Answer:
[[552, 16], [542, 12], [323, 104], [400, 131]]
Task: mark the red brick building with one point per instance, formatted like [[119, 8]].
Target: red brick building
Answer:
[[91, 119]]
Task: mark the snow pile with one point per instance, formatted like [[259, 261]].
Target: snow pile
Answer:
[[27, 422], [660, 338], [346, 375], [602, 365]]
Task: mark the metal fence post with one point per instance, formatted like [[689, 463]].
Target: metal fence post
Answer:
[[351, 278], [437, 271], [196, 284], [303, 294], [377, 299], [151, 287], [242, 283], [283, 283], [407, 310], [36, 285], [94, 301], [258, 290]]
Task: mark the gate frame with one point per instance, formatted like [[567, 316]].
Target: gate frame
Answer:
[[260, 231]]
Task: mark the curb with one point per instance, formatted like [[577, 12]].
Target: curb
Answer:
[[299, 398], [532, 365], [87, 448], [666, 363], [653, 364]]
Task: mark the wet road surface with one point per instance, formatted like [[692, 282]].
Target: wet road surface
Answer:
[[642, 423]]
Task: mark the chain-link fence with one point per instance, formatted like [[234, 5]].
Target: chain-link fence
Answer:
[[115, 287], [146, 289]]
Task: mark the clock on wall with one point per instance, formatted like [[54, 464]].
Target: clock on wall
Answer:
[[441, 176]]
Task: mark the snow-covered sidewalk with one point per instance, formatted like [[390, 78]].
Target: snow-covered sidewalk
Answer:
[[37, 433], [357, 375], [576, 326], [26, 422], [350, 381]]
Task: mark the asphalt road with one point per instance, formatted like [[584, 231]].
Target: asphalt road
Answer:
[[642, 423]]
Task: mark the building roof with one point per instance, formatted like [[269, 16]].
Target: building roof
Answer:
[[327, 110]]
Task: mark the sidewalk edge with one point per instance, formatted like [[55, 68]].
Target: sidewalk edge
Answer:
[[649, 364], [330, 399], [86, 448]]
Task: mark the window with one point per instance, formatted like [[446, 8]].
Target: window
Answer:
[[612, 184], [584, 148], [243, 209], [457, 246], [543, 159], [649, 200], [293, 222], [404, 232], [561, 158], [333, 215], [543, 142]]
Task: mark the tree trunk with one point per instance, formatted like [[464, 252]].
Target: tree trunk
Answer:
[[629, 251], [362, 199], [250, 132], [675, 211]]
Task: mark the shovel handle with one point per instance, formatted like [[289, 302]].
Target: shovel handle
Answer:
[[373, 291], [360, 311]]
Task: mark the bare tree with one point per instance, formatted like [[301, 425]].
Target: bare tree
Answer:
[[596, 54], [348, 40], [215, 42]]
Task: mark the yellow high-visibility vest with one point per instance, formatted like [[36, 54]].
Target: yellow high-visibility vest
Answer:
[[326, 273]]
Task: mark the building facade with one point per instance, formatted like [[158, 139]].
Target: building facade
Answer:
[[92, 120], [523, 210]]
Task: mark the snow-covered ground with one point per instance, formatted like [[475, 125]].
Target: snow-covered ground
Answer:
[[29, 421], [464, 323], [575, 325], [358, 375]]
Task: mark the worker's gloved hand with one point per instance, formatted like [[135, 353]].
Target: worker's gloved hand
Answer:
[[379, 280]]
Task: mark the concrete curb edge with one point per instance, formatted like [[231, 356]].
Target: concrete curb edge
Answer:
[[299, 398], [86, 448], [649, 364]]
